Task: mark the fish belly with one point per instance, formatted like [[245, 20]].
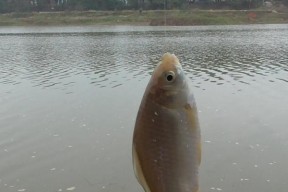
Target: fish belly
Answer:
[[166, 150]]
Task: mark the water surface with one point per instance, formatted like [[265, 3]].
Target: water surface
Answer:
[[69, 98]]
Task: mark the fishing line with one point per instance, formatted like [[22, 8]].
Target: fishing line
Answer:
[[165, 26], [165, 17]]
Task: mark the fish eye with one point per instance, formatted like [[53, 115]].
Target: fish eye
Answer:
[[170, 76]]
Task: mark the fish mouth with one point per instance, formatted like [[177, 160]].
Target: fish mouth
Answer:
[[172, 89], [168, 87]]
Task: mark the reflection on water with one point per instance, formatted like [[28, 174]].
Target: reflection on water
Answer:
[[69, 97]]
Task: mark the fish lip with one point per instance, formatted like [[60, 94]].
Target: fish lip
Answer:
[[171, 88], [167, 87]]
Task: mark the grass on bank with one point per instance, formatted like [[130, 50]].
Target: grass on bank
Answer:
[[173, 17]]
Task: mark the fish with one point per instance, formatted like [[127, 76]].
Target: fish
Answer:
[[166, 146]]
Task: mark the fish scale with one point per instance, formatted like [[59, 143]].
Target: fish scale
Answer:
[[166, 140]]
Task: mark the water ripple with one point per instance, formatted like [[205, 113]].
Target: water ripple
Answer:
[[69, 100], [105, 59]]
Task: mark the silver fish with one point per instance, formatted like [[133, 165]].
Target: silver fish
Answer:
[[166, 140]]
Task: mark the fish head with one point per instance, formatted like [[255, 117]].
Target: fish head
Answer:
[[168, 83]]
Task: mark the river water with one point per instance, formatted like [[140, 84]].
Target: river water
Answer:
[[69, 98]]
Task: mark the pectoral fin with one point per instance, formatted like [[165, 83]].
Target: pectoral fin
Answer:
[[138, 171]]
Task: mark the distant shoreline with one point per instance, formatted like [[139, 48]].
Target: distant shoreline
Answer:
[[151, 17]]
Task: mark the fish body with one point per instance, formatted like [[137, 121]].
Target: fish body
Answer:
[[166, 140]]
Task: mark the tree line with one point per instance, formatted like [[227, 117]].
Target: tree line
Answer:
[[7, 6]]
